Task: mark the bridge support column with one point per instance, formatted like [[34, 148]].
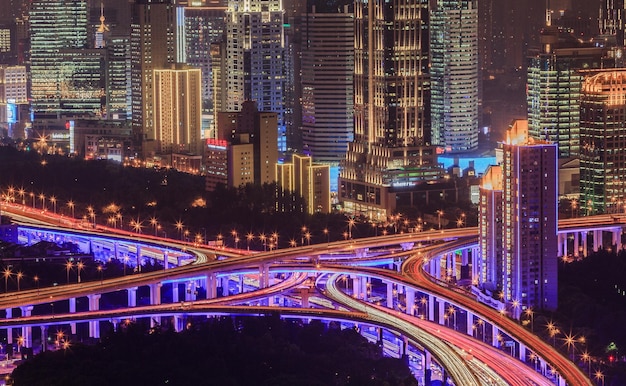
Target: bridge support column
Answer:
[[409, 294], [475, 266], [365, 286], [94, 325], [441, 309], [356, 286], [469, 324], [242, 282], [584, 236], [559, 245], [155, 320], [494, 336], [389, 294], [175, 293], [224, 280], [44, 338], [560, 380], [522, 352], [166, 260], [616, 239], [132, 297], [263, 276], [190, 291], [431, 308], [178, 323], [576, 243], [72, 310], [27, 331], [155, 293], [211, 285], [138, 259], [427, 363], [9, 315], [597, 240]]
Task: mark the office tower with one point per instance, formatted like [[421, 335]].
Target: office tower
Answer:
[[391, 108], [58, 31], [602, 133], [255, 58], [13, 92], [526, 272], [327, 83], [101, 31], [178, 109], [310, 181], [153, 46], [118, 79], [258, 128], [553, 92], [611, 20], [216, 164], [204, 25], [491, 230], [454, 74], [218, 79]]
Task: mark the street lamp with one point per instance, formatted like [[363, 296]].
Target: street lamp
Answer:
[[350, 225], [71, 205], [20, 275], [439, 214], [7, 274], [154, 223], [327, 235], [99, 268], [179, 226], [36, 280], [529, 313], [599, 376], [42, 197], [54, 204], [79, 266], [68, 267], [32, 195], [249, 237]]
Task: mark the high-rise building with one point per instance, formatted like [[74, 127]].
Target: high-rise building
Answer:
[[454, 74], [310, 181], [255, 58], [178, 109], [258, 128], [153, 46], [522, 259], [118, 77], [391, 107], [327, 83], [553, 92], [204, 25], [612, 20], [490, 229], [603, 142], [59, 70]]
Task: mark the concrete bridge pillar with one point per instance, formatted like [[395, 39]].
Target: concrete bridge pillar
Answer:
[[494, 336], [263, 276], [178, 323], [132, 297], [597, 240], [469, 323], [27, 331], [9, 315], [138, 260], [522, 352], [166, 260], [616, 239], [389, 294], [410, 300], [576, 243], [190, 291], [431, 308], [356, 287], [242, 279], [94, 325], [175, 292], [441, 310], [155, 293], [44, 338], [72, 309], [559, 244], [584, 235], [224, 282], [211, 285]]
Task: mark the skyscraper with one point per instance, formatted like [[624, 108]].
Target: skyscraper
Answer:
[[178, 109], [204, 25], [603, 144], [553, 92], [255, 58], [522, 258], [64, 77], [391, 107], [454, 74], [327, 83], [153, 46]]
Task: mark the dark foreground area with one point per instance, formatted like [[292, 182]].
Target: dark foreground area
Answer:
[[221, 351]]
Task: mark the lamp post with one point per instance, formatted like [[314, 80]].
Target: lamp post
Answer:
[[439, 214], [19, 275], [179, 226], [68, 267], [327, 235], [53, 200], [32, 195], [79, 266], [71, 205], [42, 197], [36, 280], [154, 223], [249, 237], [100, 270], [7, 274]]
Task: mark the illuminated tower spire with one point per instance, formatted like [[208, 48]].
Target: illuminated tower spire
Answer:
[[102, 29]]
